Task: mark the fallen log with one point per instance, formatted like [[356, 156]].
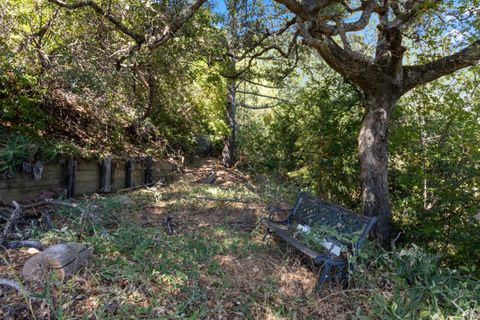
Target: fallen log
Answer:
[[63, 260], [218, 199], [16, 213], [19, 287]]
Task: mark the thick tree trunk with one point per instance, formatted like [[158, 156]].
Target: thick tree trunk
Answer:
[[229, 143], [372, 144]]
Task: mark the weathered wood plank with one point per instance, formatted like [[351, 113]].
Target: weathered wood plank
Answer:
[[51, 173], [20, 194], [129, 180], [87, 187], [148, 176], [87, 178], [22, 182], [70, 168], [118, 176], [106, 176]]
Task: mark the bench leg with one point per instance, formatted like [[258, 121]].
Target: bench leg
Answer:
[[266, 234], [341, 275], [344, 276], [324, 276]]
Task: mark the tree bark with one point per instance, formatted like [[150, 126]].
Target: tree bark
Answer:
[[229, 142], [151, 84], [62, 260], [373, 152]]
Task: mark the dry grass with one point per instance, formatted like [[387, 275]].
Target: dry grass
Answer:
[[215, 265]]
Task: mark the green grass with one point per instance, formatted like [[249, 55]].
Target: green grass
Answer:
[[211, 268]]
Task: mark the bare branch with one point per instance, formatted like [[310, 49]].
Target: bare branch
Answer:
[[362, 22], [152, 41], [352, 65], [139, 38], [262, 107], [25, 244], [417, 75], [16, 214], [17, 286], [262, 84], [252, 58], [261, 95], [265, 36], [179, 21]]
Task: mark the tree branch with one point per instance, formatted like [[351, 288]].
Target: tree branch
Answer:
[[262, 107], [417, 75], [264, 37], [139, 38], [261, 95], [153, 41], [352, 65], [19, 287], [295, 7], [262, 85], [180, 20], [411, 9]]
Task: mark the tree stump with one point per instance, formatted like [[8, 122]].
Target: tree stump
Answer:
[[62, 260]]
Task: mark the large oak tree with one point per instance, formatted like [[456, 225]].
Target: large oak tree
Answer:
[[380, 72]]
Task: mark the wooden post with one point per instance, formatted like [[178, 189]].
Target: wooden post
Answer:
[[148, 171], [106, 175], [70, 179], [129, 177]]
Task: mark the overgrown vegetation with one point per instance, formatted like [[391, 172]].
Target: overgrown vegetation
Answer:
[[286, 90], [434, 159], [215, 264], [16, 148], [410, 283], [59, 80]]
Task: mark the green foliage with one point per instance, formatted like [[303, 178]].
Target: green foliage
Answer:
[[19, 99], [59, 78], [311, 141], [410, 284], [13, 150], [140, 271], [61, 93], [164, 272], [16, 148], [433, 151], [318, 232], [434, 167]]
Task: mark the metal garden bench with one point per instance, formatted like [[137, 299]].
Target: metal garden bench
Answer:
[[310, 214]]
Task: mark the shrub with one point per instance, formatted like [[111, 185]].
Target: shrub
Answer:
[[411, 284]]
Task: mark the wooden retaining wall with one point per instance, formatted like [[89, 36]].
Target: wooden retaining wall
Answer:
[[78, 177]]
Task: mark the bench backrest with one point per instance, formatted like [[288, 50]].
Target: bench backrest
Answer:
[[310, 211]]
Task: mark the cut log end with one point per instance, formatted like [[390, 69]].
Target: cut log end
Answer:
[[61, 261]]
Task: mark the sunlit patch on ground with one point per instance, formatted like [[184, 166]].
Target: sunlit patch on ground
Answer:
[[214, 266]]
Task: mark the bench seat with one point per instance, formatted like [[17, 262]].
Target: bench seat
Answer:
[[310, 211]]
